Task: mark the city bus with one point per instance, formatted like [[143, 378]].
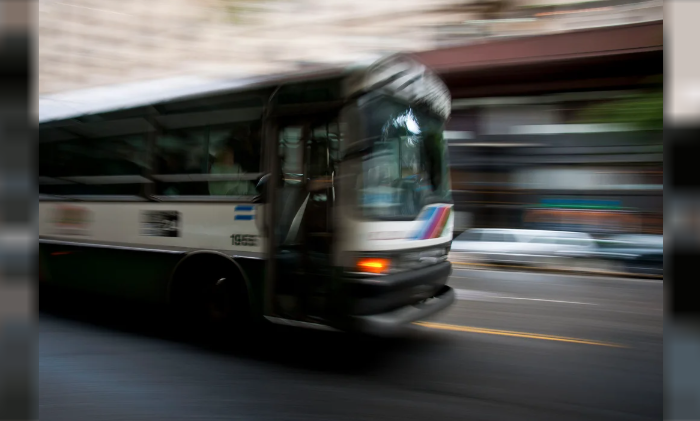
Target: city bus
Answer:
[[319, 199]]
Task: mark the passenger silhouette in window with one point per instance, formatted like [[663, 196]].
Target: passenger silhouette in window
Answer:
[[229, 162]]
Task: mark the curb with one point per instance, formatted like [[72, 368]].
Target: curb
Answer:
[[561, 271]]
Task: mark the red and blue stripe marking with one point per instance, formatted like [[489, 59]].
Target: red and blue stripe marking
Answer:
[[434, 222]]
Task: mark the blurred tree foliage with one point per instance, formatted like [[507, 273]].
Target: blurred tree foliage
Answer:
[[644, 110], [237, 10]]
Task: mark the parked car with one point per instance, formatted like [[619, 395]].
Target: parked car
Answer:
[[635, 253], [519, 246], [563, 244], [488, 244]]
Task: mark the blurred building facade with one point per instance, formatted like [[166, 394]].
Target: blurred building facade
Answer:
[[558, 131], [86, 43]]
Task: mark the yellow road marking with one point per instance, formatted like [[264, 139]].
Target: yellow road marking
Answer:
[[515, 334]]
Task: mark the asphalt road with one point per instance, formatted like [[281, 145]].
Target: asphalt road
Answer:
[[515, 346]]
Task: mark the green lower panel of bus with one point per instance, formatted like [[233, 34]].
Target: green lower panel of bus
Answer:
[[130, 274]]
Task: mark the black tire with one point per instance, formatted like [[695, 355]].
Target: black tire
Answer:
[[217, 302], [216, 306]]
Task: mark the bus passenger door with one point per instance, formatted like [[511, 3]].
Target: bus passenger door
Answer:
[[301, 232]]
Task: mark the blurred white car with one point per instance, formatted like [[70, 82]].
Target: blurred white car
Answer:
[[517, 246], [563, 244]]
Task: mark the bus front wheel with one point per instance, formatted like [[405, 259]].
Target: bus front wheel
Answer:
[[212, 301]]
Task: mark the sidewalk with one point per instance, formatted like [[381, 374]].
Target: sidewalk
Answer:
[[594, 268]]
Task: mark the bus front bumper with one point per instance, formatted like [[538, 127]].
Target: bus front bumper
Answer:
[[395, 321], [383, 305]]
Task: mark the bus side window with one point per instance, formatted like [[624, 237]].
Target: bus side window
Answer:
[[209, 147], [180, 152], [235, 151], [216, 151], [78, 165]]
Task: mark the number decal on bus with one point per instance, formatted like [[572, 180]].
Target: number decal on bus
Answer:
[[245, 240]]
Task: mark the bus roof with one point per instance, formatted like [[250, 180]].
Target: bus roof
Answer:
[[396, 74], [77, 103]]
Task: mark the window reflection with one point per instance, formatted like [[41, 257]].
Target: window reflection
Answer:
[[405, 169]]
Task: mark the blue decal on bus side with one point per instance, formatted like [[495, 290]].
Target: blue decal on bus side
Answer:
[[243, 216]]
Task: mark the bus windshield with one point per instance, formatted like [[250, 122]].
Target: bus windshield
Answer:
[[406, 166]]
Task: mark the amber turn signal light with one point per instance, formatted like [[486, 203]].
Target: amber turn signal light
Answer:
[[373, 265]]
